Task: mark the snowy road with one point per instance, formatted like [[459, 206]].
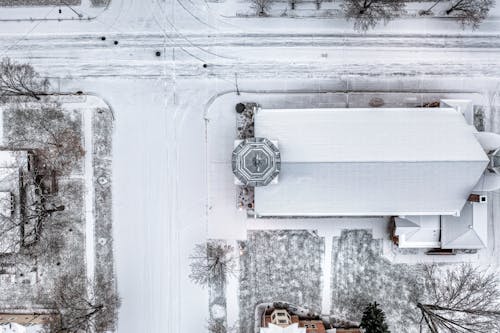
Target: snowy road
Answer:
[[254, 56], [159, 159]]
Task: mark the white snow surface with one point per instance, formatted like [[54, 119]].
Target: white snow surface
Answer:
[[162, 202], [16, 328], [369, 162], [418, 231], [467, 231], [369, 135]]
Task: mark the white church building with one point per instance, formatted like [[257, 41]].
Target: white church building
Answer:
[[420, 165]]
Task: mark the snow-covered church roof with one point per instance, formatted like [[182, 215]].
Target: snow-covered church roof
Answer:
[[467, 231], [383, 161]]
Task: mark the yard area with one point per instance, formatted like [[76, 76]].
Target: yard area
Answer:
[[75, 240], [361, 275], [279, 265], [28, 275]]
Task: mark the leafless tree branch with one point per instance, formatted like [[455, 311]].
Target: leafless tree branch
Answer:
[[460, 301], [84, 309], [21, 80], [470, 12], [366, 14], [211, 262]]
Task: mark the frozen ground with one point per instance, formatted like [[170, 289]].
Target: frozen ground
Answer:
[[51, 10], [104, 268], [279, 265], [159, 172], [208, 18], [83, 230], [27, 279], [361, 274]]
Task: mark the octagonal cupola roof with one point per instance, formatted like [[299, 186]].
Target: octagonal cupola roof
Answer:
[[256, 161]]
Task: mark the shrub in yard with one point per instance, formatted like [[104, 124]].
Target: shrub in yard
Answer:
[[373, 320]]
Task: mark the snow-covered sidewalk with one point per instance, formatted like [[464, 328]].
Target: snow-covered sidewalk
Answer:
[[63, 12]]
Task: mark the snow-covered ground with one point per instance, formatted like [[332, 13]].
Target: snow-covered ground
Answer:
[[279, 265], [161, 184], [77, 244], [51, 10]]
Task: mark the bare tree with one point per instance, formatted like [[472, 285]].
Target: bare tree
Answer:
[[212, 262], [50, 142], [21, 79], [460, 301], [368, 13], [261, 7], [52, 134], [84, 309], [470, 12], [27, 223]]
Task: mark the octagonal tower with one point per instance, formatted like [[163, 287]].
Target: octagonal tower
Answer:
[[256, 161]]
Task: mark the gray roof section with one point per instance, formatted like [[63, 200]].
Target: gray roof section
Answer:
[[256, 162], [467, 231]]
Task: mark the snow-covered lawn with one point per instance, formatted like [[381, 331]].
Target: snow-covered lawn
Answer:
[[360, 274], [102, 133], [279, 265], [28, 276], [51, 10], [79, 238]]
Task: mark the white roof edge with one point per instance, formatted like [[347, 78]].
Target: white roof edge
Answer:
[[449, 108], [365, 214]]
